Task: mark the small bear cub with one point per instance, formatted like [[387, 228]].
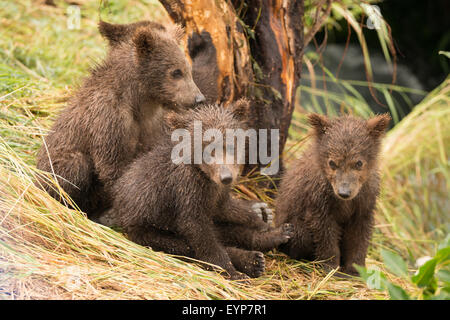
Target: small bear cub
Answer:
[[187, 209], [329, 194]]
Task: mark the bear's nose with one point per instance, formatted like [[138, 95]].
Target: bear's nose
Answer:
[[226, 178], [200, 98], [344, 193]]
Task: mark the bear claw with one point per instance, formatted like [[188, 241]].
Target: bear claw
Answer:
[[288, 229], [257, 265], [263, 212]]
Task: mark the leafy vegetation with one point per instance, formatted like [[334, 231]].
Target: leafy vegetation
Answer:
[[430, 282]]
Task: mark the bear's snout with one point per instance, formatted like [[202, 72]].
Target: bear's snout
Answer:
[[225, 176], [344, 192], [200, 98]]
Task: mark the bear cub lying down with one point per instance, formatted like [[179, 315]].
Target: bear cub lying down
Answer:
[[329, 194], [187, 209]]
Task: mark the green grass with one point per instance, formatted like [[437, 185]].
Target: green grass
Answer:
[[49, 251]]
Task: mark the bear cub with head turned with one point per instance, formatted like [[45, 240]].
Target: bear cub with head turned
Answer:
[[187, 209], [329, 194], [117, 113]]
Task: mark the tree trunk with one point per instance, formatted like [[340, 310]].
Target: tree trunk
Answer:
[[249, 48]]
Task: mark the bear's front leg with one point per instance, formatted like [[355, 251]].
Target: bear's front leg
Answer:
[[355, 242], [270, 239], [326, 233], [263, 211], [253, 239], [252, 214]]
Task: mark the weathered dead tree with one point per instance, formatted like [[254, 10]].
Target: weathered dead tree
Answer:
[[249, 48]]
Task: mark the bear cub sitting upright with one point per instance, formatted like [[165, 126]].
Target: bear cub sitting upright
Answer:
[[187, 209], [329, 194], [117, 113]]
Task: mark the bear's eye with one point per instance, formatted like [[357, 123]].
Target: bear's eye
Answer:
[[177, 73], [332, 164], [358, 164]]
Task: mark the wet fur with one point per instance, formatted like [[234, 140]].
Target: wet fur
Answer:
[[181, 209], [117, 113], [327, 227]]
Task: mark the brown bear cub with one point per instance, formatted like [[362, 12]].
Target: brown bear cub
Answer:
[[329, 194], [187, 209], [117, 113]]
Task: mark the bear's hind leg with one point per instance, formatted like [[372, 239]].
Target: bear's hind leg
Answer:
[[169, 243], [300, 246], [73, 172], [160, 240]]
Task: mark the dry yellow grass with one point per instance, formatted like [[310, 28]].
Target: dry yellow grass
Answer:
[[48, 251]]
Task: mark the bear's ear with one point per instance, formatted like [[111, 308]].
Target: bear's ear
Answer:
[[175, 31], [144, 40], [319, 123], [114, 33], [377, 125], [241, 109], [175, 120]]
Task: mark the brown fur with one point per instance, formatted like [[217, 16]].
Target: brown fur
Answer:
[[205, 70], [187, 209], [117, 113], [329, 194]]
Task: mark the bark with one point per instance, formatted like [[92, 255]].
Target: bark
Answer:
[[249, 48]]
